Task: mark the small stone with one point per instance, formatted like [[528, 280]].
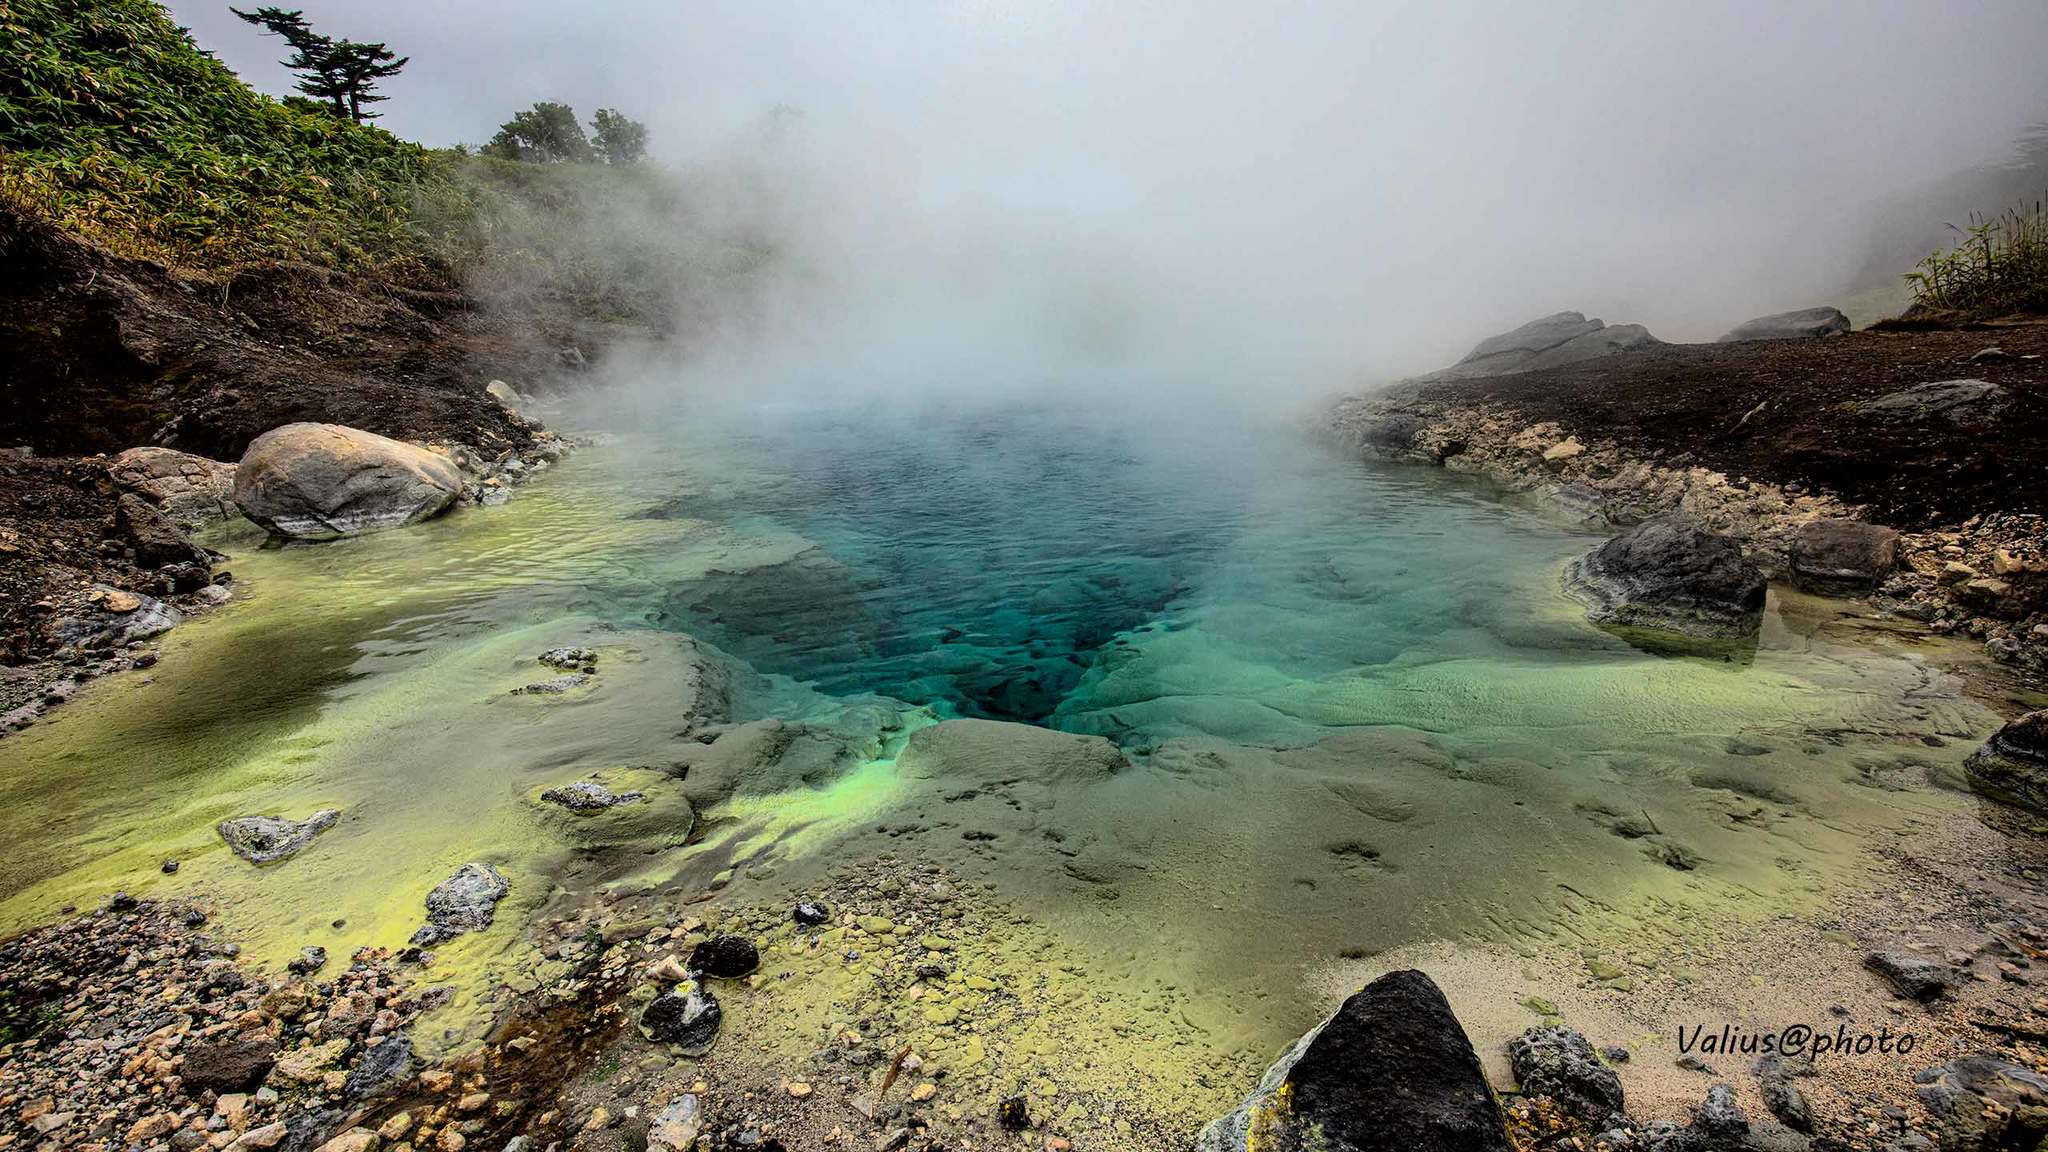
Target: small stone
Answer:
[[1014, 1113], [798, 1089], [810, 912], [924, 1091]]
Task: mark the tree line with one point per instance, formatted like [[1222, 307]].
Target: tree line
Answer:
[[342, 76]]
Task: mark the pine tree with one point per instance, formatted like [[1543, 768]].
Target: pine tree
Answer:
[[342, 74], [617, 138]]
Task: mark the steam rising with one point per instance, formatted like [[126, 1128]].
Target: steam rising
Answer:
[[1251, 197]]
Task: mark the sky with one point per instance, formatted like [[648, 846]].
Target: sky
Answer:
[[1293, 187]]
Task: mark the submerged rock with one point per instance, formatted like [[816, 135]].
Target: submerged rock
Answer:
[[1836, 557], [268, 839], [588, 796], [1804, 323], [1671, 576], [1914, 976], [687, 1017], [726, 957], [321, 481], [1392, 1069], [117, 617], [462, 903], [2012, 766], [1558, 1062]]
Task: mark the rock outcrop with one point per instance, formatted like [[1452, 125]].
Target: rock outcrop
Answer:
[[2012, 766], [1838, 557], [1559, 339], [1986, 1102], [1802, 324], [322, 481], [268, 839], [462, 903], [1391, 1070], [1956, 401], [189, 489], [1669, 576]]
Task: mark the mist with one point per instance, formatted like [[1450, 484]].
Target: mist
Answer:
[[1271, 199]]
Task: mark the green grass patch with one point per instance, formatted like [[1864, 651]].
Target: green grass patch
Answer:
[[1999, 267]]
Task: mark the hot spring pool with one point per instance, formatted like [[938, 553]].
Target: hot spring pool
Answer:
[[1224, 706]]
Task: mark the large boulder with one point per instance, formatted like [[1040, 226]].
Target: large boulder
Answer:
[[1553, 341], [2012, 766], [1838, 557], [189, 489], [1670, 577], [321, 481], [1391, 1070], [1802, 324], [157, 541]]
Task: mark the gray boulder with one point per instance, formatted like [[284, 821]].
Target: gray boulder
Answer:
[[1956, 401], [1985, 1102], [1391, 1071], [321, 481], [1669, 576], [1553, 341], [1802, 324], [268, 839], [464, 902], [2012, 766], [190, 489], [1557, 1062], [1838, 557], [156, 540]]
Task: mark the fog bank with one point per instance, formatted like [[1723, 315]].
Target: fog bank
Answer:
[[1294, 193]]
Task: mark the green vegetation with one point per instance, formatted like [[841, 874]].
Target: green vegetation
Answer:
[[548, 133], [1999, 267], [117, 127], [344, 73]]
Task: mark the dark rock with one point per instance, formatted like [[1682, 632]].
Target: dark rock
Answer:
[[1014, 1113], [553, 687], [2012, 766], [1391, 1069], [1557, 1062], [688, 1016], [1838, 557], [1914, 976], [236, 1064], [383, 1066], [1985, 1102], [726, 957], [1615, 1054], [1956, 401], [268, 839], [1805, 323], [309, 960], [462, 903], [156, 540], [1394, 433], [117, 619], [122, 902], [1668, 576], [810, 912], [1719, 1119], [1787, 1103], [588, 796], [170, 867]]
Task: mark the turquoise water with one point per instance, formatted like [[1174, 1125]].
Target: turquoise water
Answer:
[[1008, 564]]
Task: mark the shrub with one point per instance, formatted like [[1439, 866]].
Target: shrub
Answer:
[[115, 126], [2000, 266]]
